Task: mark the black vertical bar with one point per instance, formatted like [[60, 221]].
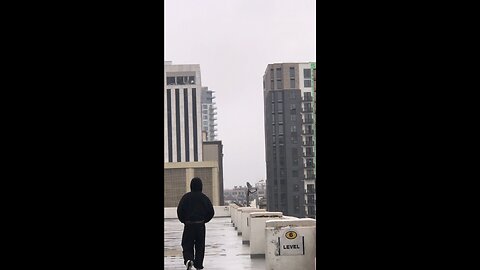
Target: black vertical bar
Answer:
[[187, 131], [177, 113], [303, 244], [169, 123], [279, 246], [194, 112]]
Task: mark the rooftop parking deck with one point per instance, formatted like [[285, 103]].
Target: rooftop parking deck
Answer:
[[223, 247]]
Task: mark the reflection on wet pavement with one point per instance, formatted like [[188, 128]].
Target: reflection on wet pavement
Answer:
[[223, 247]]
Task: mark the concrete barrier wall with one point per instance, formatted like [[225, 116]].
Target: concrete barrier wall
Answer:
[[170, 212], [238, 218], [233, 208], [257, 232], [290, 244], [245, 224], [220, 211]]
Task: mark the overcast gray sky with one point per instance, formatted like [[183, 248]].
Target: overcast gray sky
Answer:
[[234, 41]]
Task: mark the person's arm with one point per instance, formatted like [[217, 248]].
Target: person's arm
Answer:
[[180, 211], [210, 211]]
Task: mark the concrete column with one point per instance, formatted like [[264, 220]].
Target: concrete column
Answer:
[[290, 244], [257, 232], [215, 193], [245, 223]]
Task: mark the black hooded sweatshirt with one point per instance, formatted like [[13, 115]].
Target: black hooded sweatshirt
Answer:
[[194, 205]]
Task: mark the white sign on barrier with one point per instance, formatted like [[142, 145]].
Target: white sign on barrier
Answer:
[[290, 243]]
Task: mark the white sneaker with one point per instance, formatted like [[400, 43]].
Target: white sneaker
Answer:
[[189, 265]]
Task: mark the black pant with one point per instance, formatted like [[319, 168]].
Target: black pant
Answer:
[[194, 236]]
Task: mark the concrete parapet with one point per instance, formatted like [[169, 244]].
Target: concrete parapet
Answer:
[[290, 243], [238, 217], [256, 223], [233, 207], [244, 223]]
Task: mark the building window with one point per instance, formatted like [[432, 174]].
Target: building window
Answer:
[[280, 129], [293, 117], [293, 136], [292, 72], [191, 79], [307, 73], [293, 128], [295, 174], [273, 97], [307, 96], [309, 163], [280, 108], [307, 83], [309, 118], [292, 83], [271, 74], [309, 140], [180, 80], [310, 199], [280, 118], [273, 121], [309, 130], [295, 156], [273, 107], [279, 84], [170, 80], [292, 106], [205, 106], [279, 74], [279, 96], [292, 94]]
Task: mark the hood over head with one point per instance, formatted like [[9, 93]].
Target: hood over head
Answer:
[[196, 184]]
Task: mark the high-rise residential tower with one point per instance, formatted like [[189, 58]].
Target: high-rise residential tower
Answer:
[[289, 139], [209, 114]]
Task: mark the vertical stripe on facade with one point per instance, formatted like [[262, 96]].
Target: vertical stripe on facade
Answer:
[[169, 123], [177, 113], [195, 124], [165, 129], [187, 130]]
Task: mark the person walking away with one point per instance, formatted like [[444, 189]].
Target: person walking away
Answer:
[[194, 210]]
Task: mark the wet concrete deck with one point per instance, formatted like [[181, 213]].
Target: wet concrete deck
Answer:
[[223, 247]]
